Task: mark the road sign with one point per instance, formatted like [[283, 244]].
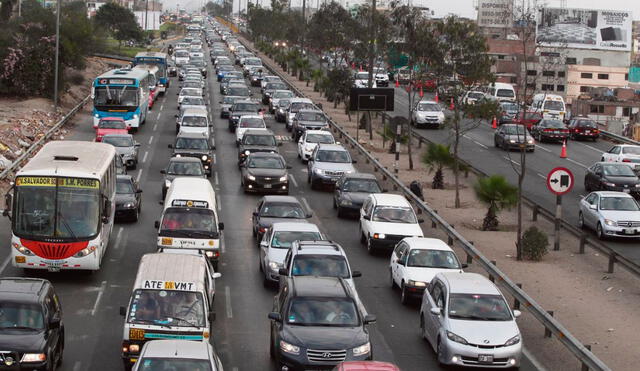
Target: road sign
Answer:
[[560, 181]]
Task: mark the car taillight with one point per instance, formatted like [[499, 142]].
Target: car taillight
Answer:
[[626, 160], [549, 130]]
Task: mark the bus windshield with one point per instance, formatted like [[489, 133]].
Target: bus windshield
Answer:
[[48, 207], [189, 222], [167, 308], [119, 96]]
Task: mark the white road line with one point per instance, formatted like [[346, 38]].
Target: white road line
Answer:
[[116, 245], [222, 248], [77, 366], [5, 263], [138, 176], [541, 176], [542, 148], [155, 126], [227, 294], [215, 177], [150, 139], [590, 147], [144, 158], [480, 144], [214, 158], [306, 204], [161, 106], [218, 206], [577, 163], [103, 286], [508, 159], [293, 180], [158, 116], [234, 369], [534, 361]]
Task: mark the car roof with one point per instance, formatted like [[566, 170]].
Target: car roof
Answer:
[[325, 247], [184, 159], [300, 100], [21, 288], [468, 283], [312, 110], [427, 101], [390, 199], [295, 227], [117, 136], [320, 132], [282, 199], [191, 135], [258, 132], [612, 194], [318, 286], [331, 147], [251, 117], [185, 349], [424, 243], [194, 111], [359, 176], [266, 154]]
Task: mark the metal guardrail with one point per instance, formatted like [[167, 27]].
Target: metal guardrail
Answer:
[[619, 138], [35, 145], [584, 355], [111, 56]]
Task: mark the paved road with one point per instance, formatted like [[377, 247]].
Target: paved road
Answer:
[[90, 301]]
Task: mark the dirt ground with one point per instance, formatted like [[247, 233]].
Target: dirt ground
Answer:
[[598, 308]]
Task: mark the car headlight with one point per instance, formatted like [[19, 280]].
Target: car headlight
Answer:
[[283, 178], [637, 185], [417, 283], [530, 141], [379, 236], [247, 152], [33, 357], [135, 116], [318, 171], [456, 338], [608, 184], [346, 202], [362, 349], [204, 157], [274, 266], [129, 205], [289, 348], [251, 177], [178, 155], [86, 251], [610, 222], [23, 250], [513, 341], [512, 140]]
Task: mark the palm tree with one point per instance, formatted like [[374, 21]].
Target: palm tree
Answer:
[[496, 192], [436, 158]]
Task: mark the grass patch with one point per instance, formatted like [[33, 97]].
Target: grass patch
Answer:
[[111, 46]]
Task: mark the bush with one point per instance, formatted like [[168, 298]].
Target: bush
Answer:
[[534, 244]]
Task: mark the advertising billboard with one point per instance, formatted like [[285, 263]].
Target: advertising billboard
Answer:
[[495, 13], [584, 28]]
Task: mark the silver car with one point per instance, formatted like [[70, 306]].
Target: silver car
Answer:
[[328, 163], [178, 355], [468, 322], [125, 146], [610, 214]]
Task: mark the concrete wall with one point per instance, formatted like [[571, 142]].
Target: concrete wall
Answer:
[[607, 57]]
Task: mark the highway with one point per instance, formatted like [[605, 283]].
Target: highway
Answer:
[[90, 301]]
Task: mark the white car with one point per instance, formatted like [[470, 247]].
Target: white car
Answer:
[[247, 122], [385, 219], [310, 139], [188, 92], [472, 97], [361, 80], [276, 243], [625, 153], [416, 260], [178, 355], [610, 214], [427, 113], [194, 120]]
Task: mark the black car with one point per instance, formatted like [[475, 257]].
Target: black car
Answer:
[[550, 130], [508, 112], [265, 172], [308, 119], [256, 141], [583, 128], [612, 176], [352, 190], [242, 107], [194, 145], [128, 200], [32, 331], [317, 324], [513, 136], [272, 209], [181, 167]]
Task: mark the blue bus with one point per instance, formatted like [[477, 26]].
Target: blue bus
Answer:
[[160, 60], [122, 93]]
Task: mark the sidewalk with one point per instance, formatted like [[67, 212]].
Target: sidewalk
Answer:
[[596, 307]]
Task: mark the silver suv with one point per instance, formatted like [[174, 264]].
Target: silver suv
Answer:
[[328, 162]]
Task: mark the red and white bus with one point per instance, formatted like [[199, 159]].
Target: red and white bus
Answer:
[[62, 207]]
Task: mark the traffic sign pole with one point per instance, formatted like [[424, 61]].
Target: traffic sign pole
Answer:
[[559, 181], [558, 221]]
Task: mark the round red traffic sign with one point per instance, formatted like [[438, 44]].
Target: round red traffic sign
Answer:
[[560, 180]]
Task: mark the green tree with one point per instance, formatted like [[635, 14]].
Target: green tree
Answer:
[[437, 157], [332, 29], [498, 194], [119, 21]]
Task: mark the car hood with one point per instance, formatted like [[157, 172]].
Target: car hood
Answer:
[[620, 215], [171, 177], [101, 132], [125, 150], [240, 113], [124, 197], [356, 197], [318, 337], [22, 341], [187, 151], [277, 255], [255, 148], [484, 332], [275, 173], [402, 229], [425, 274], [622, 180], [429, 113], [334, 166]]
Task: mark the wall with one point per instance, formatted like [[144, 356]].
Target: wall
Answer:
[[617, 78]]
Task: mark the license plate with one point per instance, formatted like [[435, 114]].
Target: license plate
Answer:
[[167, 241], [267, 186], [485, 358], [136, 334], [588, 131], [629, 231], [626, 190]]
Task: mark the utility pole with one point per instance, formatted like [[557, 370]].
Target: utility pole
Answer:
[[372, 42], [55, 69], [304, 25], [146, 11]]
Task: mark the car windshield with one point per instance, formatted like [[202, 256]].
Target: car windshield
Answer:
[[283, 239], [117, 141], [333, 156], [126, 96], [196, 222], [124, 187], [191, 84], [182, 54], [297, 106], [173, 364], [514, 130], [21, 316], [246, 107], [478, 307], [390, 214], [283, 94], [532, 116], [553, 105], [229, 100], [320, 138], [193, 101], [429, 107], [618, 203], [191, 168], [112, 124], [194, 121], [617, 170], [253, 62], [192, 143], [310, 116], [505, 93], [554, 124], [432, 259], [320, 311], [509, 107], [167, 308], [259, 140], [475, 95], [275, 85], [190, 91], [320, 265], [251, 122], [361, 185], [265, 163], [282, 210], [587, 124], [631, 150], [362, 76]]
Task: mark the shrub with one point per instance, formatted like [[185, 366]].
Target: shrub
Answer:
[[534, 244]]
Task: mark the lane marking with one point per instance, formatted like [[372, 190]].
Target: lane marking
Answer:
[[222, 247], [218, 206], [480, 144], [542, 176], [138, 176], [542, 148], [590, 147], [293, 180], [306, 204], [512, 161], [144, 158], [118, 235], [150, 139], [577, 163], [77, 366], [214, 158], [162, 106], [155, 126], [158, 116], [227, 294], [103, 286], [534, 361], [5, 263], [215, 177]]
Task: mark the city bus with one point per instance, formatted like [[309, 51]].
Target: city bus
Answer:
[[158, 59], [62, 206], [122, 93]]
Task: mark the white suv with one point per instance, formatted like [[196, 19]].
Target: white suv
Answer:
[[385, 219]]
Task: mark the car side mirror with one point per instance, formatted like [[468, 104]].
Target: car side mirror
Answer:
[[123, 311], [221, 226], [54, 323], [516, 313], [275, 316], [369, 319], [255, 213], [593, 207], [436, 311], [163, 171], [354, 161], [136, 144], [283, 271], [308, 215], [138, 191], [156, 224], [170, 146], [356, 274], [289, 167], [420, 221], [465, 266], [212, 316], [176, 115], [366, 217]]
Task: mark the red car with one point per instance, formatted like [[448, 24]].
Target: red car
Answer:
[[366, 366], [527, 119], [152, 98], [111, 125]]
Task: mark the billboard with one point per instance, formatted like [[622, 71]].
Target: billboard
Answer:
[[495, 13], [153, 22], [584, 28]]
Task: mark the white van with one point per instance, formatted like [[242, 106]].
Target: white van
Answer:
[[550, 106], [189, 219], [172, 298], [194, 120], [502, 92]]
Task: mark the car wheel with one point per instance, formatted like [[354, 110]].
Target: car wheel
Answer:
[[272, 352], [370, 248], [136, 215], [404, 296], [209, 174], [600, 232], [215, 265], [580, 221], [422, 328], [602, 159], [134, 166], [51, 364], [439, 352], [391, 281]]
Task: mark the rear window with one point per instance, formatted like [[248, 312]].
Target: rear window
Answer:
[[505, 93], [586, 124]]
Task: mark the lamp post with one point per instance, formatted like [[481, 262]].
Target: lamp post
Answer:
[[55, 77]]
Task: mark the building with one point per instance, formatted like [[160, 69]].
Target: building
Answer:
[[581, 79]]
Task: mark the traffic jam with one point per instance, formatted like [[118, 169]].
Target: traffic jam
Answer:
[[66, 203]]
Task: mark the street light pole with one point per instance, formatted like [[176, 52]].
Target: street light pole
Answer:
[[55, 69], [146, 11]]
